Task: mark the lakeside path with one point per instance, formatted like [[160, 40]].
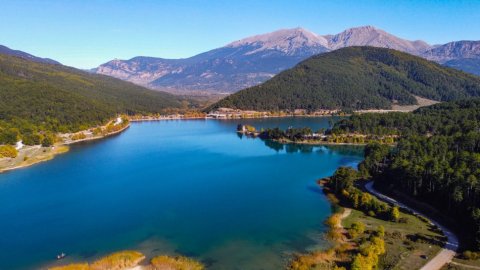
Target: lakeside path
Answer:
[[449, 250]]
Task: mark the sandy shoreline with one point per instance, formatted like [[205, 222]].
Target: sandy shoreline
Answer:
[[93, 138], [47, 153]]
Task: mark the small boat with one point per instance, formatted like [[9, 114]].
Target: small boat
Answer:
[[61, 256]]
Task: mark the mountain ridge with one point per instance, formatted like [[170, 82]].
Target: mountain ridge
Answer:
[[253, 60], [17, 53]]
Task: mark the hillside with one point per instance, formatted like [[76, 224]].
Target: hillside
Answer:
[[37, 97], [435, 160], [26, 56], [356, 78], [469, 65]]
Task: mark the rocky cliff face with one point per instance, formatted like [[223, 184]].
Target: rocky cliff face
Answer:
[[253, 60]]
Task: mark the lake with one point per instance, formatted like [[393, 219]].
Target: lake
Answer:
[[191, 187]]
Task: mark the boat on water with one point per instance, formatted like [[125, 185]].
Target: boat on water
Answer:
[[61, 256]]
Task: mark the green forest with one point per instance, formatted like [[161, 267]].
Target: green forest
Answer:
[[356, 78], [436, 160], [39, 99]]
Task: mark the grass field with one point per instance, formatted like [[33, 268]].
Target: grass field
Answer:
[[409, 244], [461, 264]]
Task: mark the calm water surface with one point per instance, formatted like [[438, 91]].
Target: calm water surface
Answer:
[[174, 187]]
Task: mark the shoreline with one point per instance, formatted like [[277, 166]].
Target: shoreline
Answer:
[[63, 147], [336, 233], [56, 149], [94, 138], [229, 118], [309, 142]]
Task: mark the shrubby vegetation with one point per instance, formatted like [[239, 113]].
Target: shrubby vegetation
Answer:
[[355, 78], [342, 183], [176, 263], [37, 99], [292, 134], [8, 151], [129, 259]]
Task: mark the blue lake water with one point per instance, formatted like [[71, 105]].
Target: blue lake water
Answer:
[[193, 188]]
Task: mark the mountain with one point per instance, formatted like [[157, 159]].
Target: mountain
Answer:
[[253, 60], [238, 65], [371, 36], [7, 51], [356, 78], [53, 98], [463, 55]]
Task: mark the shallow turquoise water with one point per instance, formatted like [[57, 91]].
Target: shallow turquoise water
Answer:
[[179, 187]]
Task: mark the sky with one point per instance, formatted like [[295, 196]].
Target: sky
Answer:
[[87, 33]]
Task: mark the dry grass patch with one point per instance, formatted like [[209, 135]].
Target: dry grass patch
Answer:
[[73, 266], [119, 260], [175, 263]]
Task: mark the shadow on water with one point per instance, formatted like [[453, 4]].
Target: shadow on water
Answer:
[[274, 145], [315, 189], [348, 150], [88, 254]]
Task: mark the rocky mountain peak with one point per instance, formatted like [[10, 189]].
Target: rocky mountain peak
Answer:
[[372, 36], [285, 40]]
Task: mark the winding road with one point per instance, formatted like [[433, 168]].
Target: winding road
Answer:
[[449, 250]]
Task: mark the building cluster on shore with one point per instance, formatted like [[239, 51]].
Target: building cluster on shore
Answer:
[[227, 113]]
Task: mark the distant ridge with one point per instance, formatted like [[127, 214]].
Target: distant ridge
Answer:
[[7, 51], [253, 60], [356, 78]]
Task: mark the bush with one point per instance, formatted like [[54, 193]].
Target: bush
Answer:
[[78, 136], [403, 220], [49, 140], [9, 136], [8, 151], [32, 139], [395, 214], [118, 260], [469, 255], [381, 231], [356, 229]]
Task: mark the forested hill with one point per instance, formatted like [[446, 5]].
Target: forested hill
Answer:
[[436, 159], [448, 118], [43, 97], [356, 78]]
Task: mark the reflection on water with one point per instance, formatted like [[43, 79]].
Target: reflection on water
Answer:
[[309, 148]]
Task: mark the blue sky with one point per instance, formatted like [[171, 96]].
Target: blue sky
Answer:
[[84, 34]]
